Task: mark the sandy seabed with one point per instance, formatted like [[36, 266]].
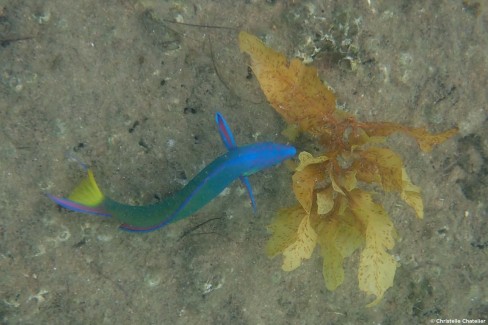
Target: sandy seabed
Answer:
[[119, 86]]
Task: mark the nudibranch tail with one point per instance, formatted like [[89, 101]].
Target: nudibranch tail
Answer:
[[86, 197]]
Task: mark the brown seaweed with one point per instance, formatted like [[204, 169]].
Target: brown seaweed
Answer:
[[333, 209]]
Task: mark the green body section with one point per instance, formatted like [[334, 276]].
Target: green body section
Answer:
[[210, 182], [197, 193]]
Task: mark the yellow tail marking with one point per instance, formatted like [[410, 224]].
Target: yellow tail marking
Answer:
[[87, 192]]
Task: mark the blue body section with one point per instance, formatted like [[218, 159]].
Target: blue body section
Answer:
[[203, 188]]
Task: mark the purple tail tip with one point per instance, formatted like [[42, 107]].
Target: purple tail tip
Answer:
[[77, 207]]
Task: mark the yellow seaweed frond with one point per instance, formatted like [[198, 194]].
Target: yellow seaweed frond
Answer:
[[424, 138], [332, 269], [342, 182], [283, 229], [291, 132], [385, 165], [293, 89], [325, 200], [338, 239], [376, 266], [349, 235], [306, 159], [293, 236], [308, 173], [411, 195]]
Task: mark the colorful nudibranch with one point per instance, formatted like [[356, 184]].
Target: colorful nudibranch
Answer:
[[238, 162]]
